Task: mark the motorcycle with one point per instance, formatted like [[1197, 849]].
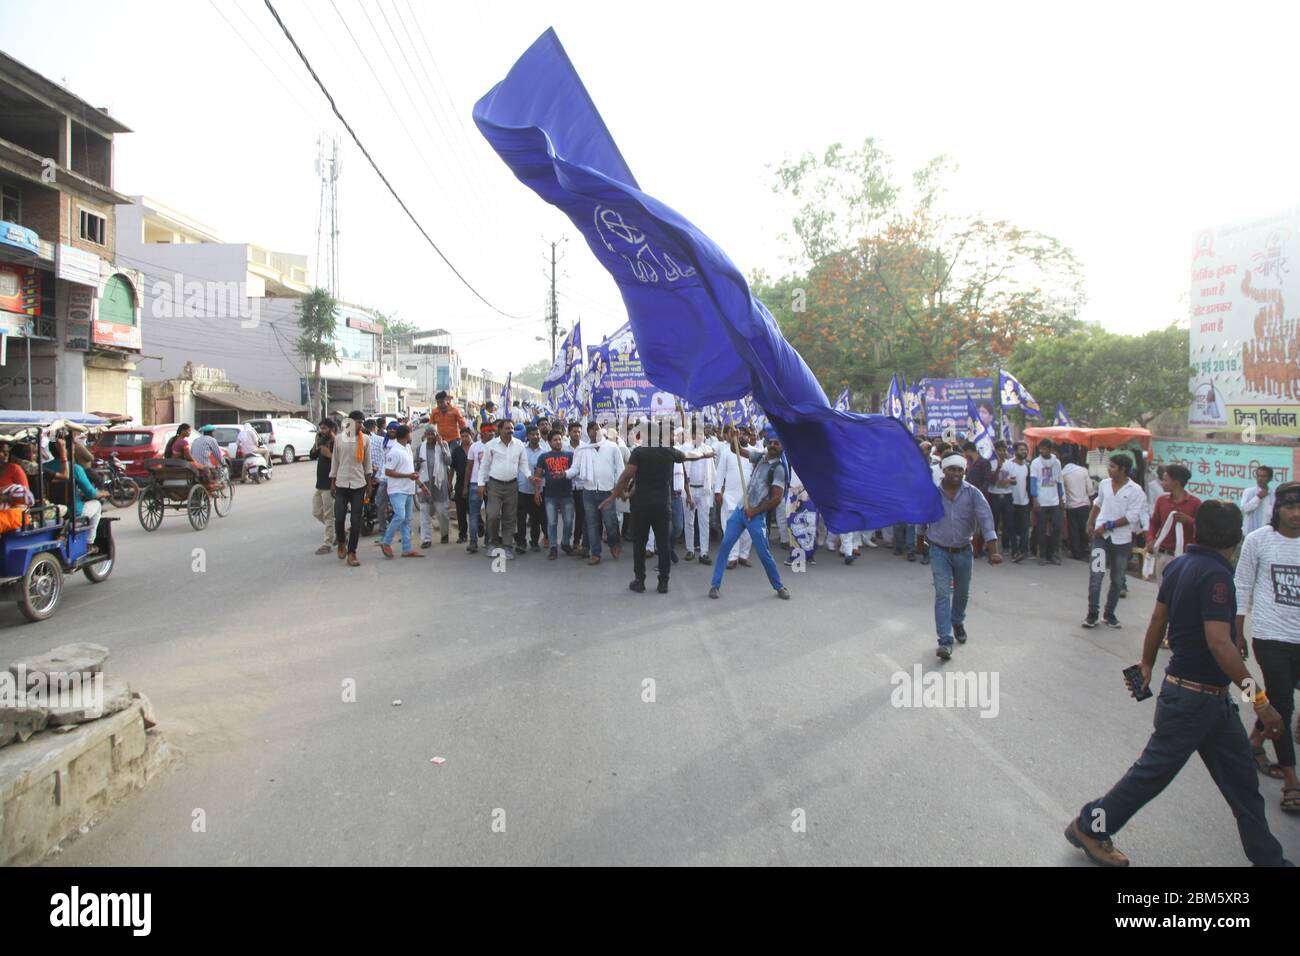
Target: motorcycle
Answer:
[[110, 475], [257, 467]]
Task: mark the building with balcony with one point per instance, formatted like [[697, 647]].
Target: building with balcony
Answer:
[[70, 312]]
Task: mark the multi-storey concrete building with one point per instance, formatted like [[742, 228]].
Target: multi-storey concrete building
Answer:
[[70, 312]]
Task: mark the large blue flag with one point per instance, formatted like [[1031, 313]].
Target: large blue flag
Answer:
[[700, 331]]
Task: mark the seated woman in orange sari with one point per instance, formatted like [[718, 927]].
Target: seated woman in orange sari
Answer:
[[15, 492]]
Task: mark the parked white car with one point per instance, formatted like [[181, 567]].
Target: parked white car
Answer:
[[288, 438]]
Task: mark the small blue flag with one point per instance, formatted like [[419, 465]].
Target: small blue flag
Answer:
[[1016, 395], [1062, 419]]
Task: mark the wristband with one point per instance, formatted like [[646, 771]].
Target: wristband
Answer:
[[1260, 700], [1109, 526]]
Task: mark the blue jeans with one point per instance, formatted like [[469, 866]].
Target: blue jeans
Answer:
[[401, 518], [950, 602], [475, 503], [904, 535], [555, 507], [679, 522], [1116, 558], [757, 528], [1188, 722], [596, 517]]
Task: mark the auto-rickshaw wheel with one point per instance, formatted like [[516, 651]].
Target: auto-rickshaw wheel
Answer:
[[40, 588], [101, 569], [199, 507]]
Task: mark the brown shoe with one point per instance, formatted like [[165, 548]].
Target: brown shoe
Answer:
[[352, 560], [343, 551], [411, 554], [615, 551], [324, 549], [594, 559], [1101, 852], [730, 565]]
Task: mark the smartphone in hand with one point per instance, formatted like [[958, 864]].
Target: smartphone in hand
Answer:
[[1133, 678]]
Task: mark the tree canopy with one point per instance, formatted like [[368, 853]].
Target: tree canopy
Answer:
[[886, 281], [1104, 379]]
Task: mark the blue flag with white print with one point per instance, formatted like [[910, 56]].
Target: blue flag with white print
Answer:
[[842, 401], [1062, 419], [700, 332], [1014, 394]]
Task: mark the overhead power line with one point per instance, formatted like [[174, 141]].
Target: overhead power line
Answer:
[[378, 172]]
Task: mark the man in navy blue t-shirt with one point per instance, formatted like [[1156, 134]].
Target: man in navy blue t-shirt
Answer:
[[1195, 712]]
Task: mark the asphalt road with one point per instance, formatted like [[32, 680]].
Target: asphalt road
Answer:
[[531, 684]]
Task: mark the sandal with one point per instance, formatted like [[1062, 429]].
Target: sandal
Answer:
[[1270, 770], [1291, 799]]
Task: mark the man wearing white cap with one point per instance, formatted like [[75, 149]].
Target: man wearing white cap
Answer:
[[965, 510]]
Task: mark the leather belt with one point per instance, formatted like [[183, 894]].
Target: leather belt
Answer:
[[1199, 688], [944, 547]]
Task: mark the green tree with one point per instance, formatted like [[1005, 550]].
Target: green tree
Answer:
[[317, 320], [886, 281], [533, 373], [1104, 379]]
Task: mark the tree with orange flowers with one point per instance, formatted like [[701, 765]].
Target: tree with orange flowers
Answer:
[[887, 281]]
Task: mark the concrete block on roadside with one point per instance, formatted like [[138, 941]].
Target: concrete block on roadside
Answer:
[[116, 697], [19, 723], [82, 658], [146, 710]]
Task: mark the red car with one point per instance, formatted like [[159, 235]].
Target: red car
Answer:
[[134, 445]]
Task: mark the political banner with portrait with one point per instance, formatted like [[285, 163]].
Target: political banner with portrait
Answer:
[[947, 403], [1245, 327], [623, 389]]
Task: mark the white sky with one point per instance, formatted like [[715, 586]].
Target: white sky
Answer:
[[1117, 129]]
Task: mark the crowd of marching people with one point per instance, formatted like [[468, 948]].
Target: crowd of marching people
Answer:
[[716, 495]]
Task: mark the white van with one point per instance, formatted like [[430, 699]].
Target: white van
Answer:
[[288, 438]]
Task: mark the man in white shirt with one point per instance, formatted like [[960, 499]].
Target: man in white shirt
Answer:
[[1268, 586], [1112, 520], [701, 478], [1017, 472], [1257, 501], [403, 481], [597, 463], [1045, 491], [503, 457], [1078, 500], [729, 486], [473, 468]]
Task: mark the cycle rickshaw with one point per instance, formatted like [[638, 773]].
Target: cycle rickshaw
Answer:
[[176, 485]]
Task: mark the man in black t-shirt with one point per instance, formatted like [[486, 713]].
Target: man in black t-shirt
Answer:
[[460, 491], [1195, 712], [322, 501], [651, 505]]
